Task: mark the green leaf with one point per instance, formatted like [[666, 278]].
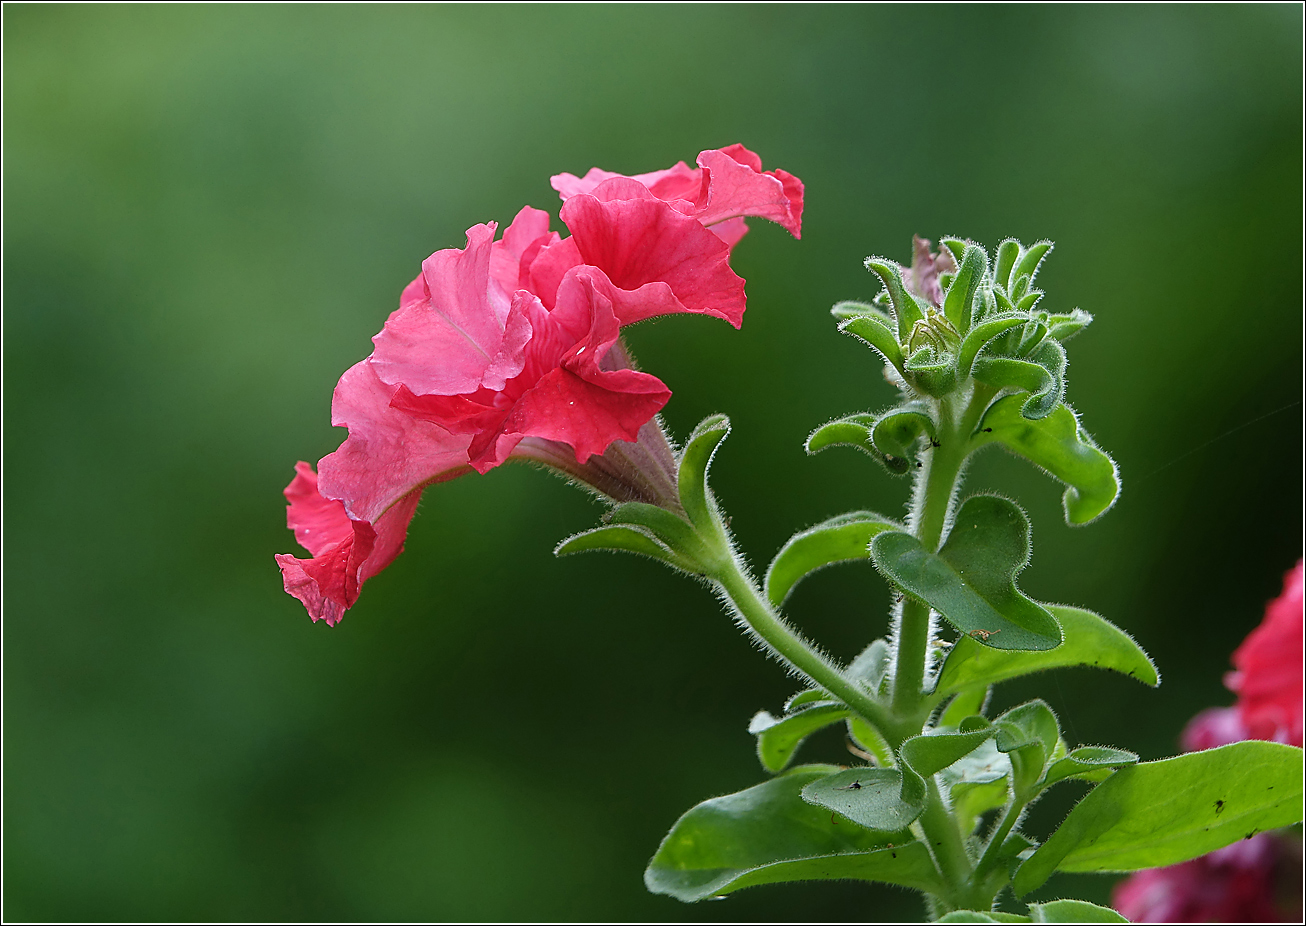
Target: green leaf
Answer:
[[851, 309], [841, 539], [969, 701], [1042, 376], [1087, 760], [931, 374], [694, 463], [1062, 327], [876, 333], [1057, 445], [849, 431], [970, 581], [778, 739], [1008, 252], [808, 696], [1161, 813], [971, 800], [981, 335], [1032, 259], [895, 432], [956, 245], [977, 783], [1073, 911], [891, 798], [871, 663], [1089, 640], [768, 834], [972, 916], [1029, 734], [905, 308], [623, 539], [869, 739], [959, 302], [672, 531]]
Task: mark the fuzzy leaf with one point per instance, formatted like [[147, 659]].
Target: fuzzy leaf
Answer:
[[1008, 252], [1088, 759], [876, 333], [895, 432], [779, 739], [852, 309], [672, 531], [970, 581], [841, 539], [768, 834], [1073, 911], [969, 701], [1161, 813], [849, 431], [974, 916], [1088, 640], [1062, 327], [1057, 445], [907, 312], [891, 798], [981, 335], [623, 539], [958, 303], [694, 463], [1042, 376]]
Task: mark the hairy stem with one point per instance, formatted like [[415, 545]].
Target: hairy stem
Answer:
[[989, 859], [753, 609]]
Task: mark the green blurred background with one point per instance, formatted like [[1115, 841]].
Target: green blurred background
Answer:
[[208, 211]]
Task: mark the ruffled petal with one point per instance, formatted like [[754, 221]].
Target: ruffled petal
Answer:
[[346, 552], [737, 186], [521, 241], [387, 453], [458, 318], [577, 402], [640, 242]]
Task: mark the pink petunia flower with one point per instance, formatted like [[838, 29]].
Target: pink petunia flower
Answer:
[[1268, 676], [1237, 884], [510, 349]]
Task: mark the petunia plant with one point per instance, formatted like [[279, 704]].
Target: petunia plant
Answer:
[[511, 349]]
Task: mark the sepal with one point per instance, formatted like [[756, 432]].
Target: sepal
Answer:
[[695, 460], [626, 539]]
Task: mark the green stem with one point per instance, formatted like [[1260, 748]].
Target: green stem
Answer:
[[753, 609], [935, 488], [990, 857], [945, 842]]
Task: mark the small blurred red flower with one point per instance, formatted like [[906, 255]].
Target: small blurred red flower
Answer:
[[1256, 880]]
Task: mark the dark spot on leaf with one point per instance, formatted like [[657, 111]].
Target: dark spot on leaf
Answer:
[[1219, 807], [894, 854]]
